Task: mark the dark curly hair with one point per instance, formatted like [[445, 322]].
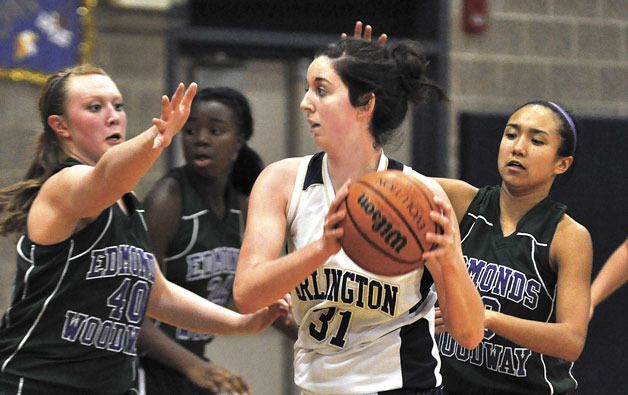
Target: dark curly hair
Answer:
[[395, 73]]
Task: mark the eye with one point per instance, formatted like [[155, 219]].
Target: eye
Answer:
[[215, 131], [510, 135], [94, 107], [320, 91], [119, 106], [538, 142]]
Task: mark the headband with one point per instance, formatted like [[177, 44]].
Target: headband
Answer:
[[53, 85], [566, 119]]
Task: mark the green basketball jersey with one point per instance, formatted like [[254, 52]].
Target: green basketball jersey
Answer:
[[513, 276], [203, 255], [77, 308]]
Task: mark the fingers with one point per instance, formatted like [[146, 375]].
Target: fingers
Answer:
[[340, 197], [365, 32], [189, 95], [446, 239], [165, 108], [357, 30], [227, 382], [444, 221], [177, 96], [159, 138], [439, 322], [362, 32]]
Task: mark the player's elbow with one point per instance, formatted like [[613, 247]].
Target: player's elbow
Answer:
[[242, 298], [468, 332], [469, 337], [572, 351]]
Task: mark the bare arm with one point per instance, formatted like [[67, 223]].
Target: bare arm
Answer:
[[460, 194], [460, 304], [262, 276], [564, 338], [179, 307], [613, 275], [83, 192]]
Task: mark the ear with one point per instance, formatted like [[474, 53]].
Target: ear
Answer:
[[366, 110], [58, 125], [240, 141], [563, 164]]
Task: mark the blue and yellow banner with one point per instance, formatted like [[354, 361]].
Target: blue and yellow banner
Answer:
[[39, 37]]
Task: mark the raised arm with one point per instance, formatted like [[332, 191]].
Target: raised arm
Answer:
[[613, 275], [262, 276], [83, 192], [564, 338]]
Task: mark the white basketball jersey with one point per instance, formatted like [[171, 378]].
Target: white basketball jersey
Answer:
[[359, 333]]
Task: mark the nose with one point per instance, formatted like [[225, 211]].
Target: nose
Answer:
[[113, 116], [306, 104], [520, 146], [203, 136]]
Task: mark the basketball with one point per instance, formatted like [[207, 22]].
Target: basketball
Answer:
[[387, 221]]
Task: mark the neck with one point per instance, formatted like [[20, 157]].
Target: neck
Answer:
[[212, 190], [352, 165], [514, 204], [72, 153]]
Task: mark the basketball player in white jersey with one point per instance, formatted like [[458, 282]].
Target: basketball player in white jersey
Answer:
[[359, 333]]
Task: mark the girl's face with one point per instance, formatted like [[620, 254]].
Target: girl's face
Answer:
[[94, 118], [326, 104], [211, 140], [528, 152]]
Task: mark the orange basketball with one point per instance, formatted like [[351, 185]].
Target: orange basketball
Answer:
[[386, 223]]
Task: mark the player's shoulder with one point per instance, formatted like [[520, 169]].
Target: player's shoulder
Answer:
[[284, 168], [277, 176], [166, 191], [434, 186], [569, 230]]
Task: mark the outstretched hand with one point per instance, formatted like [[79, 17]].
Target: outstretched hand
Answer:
[[362, 32], [264, 317], [217, 379], [174, 114]]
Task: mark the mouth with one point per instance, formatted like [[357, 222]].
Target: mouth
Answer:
[[114, 138], [313, 125], [513, 164], [201, 160]]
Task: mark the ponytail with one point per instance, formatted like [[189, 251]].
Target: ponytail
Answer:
[[246, 169], [16, 199]]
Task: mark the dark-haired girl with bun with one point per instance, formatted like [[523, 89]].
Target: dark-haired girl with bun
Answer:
[[359, 333], [530, 261]]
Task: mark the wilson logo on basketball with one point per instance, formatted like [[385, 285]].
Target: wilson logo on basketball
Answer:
[[404, 197], [382, 225]]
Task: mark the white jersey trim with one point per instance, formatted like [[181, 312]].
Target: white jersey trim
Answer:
[[43, 309]]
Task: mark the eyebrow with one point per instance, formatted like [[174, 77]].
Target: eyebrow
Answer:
[[320, 79], [533, 130]]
